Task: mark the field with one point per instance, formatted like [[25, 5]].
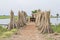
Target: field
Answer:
[[6, 17], [56, 28]]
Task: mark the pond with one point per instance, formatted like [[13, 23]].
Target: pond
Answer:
[[55, 20], [52, 20], [4, 21]]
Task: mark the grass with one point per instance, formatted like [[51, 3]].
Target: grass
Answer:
[[6, 17], [8, 33], [56, 28], [5, 33], [50, 39]]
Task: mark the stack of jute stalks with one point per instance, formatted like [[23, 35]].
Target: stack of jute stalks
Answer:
[[21, 21], [43, 21]]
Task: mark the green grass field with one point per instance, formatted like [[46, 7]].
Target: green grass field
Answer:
[[6, 33], [56, 28], [6, 17]]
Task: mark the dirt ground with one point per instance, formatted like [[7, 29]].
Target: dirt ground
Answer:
[[30, 32]]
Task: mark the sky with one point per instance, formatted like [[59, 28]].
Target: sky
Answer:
[[28, 5]]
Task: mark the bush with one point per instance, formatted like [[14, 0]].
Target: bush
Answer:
[[3, 36], [13, 30], [5, 33], [8, 33], [2, 30]]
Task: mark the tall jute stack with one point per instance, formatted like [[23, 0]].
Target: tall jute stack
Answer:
[[24, 17], [11, 24], [19, 22], [21, 19], [43, 22]]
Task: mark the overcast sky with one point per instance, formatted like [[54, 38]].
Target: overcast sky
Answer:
[[28, 6]]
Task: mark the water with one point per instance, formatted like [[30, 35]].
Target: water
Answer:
[[52, 20], [4, 21]]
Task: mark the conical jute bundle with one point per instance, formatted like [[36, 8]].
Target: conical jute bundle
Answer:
[[38, 14], [19, 22], [21, 19], [11, 24], [44, 22], [24, 17]]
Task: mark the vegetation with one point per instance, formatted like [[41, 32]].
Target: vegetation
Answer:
[[35, 11], [6, 17], [56, 28], [5, 32], [54, 16], [57, 15]]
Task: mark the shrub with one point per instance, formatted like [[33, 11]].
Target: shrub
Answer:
[[5, 33], [8, 33], [13, 30]]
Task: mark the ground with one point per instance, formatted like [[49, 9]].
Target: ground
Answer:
[[30, 32]]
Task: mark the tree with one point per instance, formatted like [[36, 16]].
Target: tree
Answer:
[[57, 15], [35, 11]]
